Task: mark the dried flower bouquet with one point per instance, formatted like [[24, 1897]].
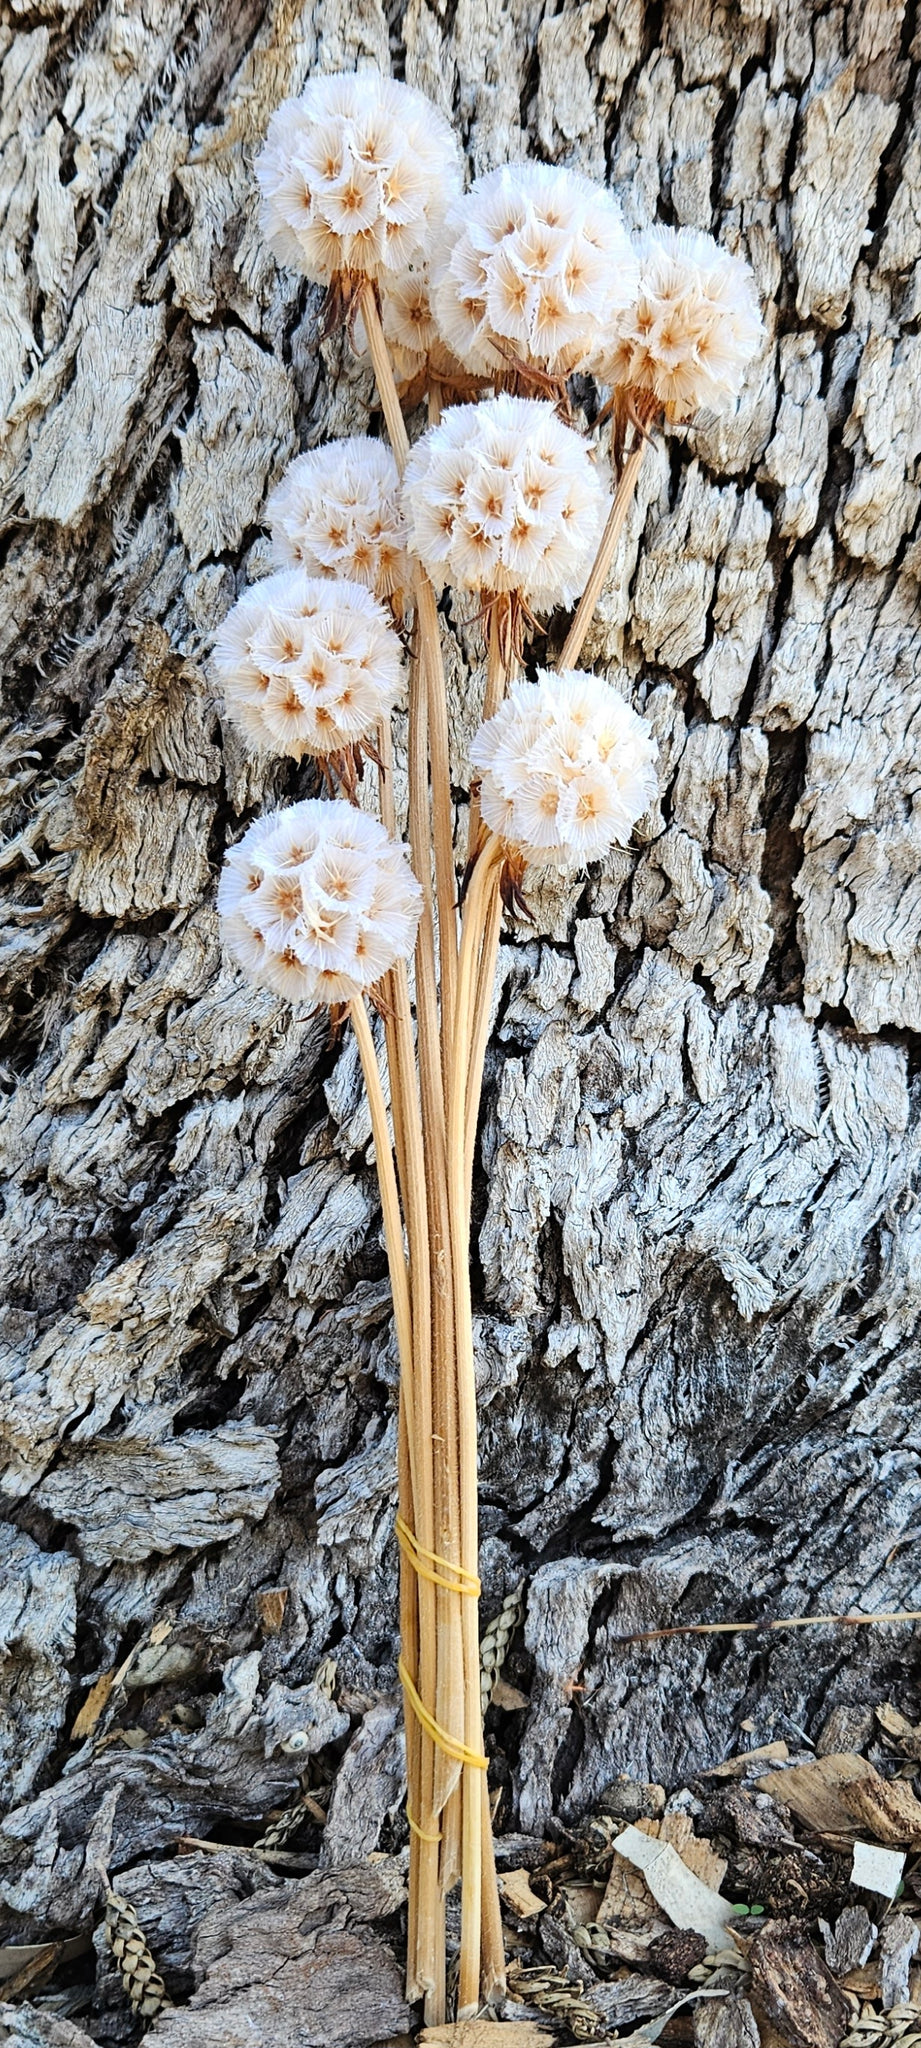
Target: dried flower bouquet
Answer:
[[503, 291]]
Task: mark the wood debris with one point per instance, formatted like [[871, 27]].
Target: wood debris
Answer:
[[794, 1987], [849, 1943], [487, 2034], [904, 1737], [897, 1948], [743, 1765], [841, 1794], [516, 1894], [725, 2023]]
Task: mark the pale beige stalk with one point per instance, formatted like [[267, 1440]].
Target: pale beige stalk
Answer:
[[498, 670], [606, 548], [440, 1616], [485, 876]]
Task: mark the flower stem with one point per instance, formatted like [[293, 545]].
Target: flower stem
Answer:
[[605, 556], [484, 880], [387, 1182], [496, 678]]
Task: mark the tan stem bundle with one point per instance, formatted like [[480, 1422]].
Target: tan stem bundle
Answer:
[[434, 1121], [425, 1182]]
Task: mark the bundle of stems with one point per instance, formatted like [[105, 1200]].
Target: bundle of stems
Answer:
[[435, 1086], [425, 1180]]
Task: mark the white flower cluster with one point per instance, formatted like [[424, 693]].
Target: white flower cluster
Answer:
[[354, 176], [536, 258], [410, 329], [691, 329], [307, 667], [336, 512], [503, 496], [567, 768], [317, 902]]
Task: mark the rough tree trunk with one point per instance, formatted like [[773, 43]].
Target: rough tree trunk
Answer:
[[698, 1281]]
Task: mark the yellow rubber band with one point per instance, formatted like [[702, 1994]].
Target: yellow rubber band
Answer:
[[463, 1581], [423, 1837], [442, 1740]]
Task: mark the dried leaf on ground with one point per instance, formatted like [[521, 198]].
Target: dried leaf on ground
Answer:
[[795, 1988], [686, 1899], [19, 1954]]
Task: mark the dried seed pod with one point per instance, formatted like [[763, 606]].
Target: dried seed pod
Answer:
[[140, 1976]]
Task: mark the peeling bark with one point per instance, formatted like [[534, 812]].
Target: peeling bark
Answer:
[[698, 1243]]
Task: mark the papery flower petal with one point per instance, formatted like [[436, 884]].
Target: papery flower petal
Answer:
[[567, 768], [691, 329], [324, 926], [308, 666], [337, 512], [355, 175], [536, 257], [503, 496]]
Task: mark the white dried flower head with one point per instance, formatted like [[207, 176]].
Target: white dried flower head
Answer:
[[567, 768], [307, 666], [533, 262], [502, 496], [692, 328], [354, 176], [336, 512], [410, 330], [317, 902]]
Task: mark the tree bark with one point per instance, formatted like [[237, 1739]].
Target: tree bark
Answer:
[[697, 1282]]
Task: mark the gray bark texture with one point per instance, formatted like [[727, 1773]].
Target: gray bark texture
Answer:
[[697, 1242]]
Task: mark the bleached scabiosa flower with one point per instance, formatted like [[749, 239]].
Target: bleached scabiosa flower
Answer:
[[317, 902], [307, 666], [533, 263], [416, 346], [354, 175], [567, 768], [503, 497], [692, 328], [336, 512]]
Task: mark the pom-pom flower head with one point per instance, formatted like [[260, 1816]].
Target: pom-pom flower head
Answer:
[[503, 497], [307, 666], [336, 512], [692, 328], [317, 902], [567, 768], [415, 343], [354, 175], [533, 264]]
